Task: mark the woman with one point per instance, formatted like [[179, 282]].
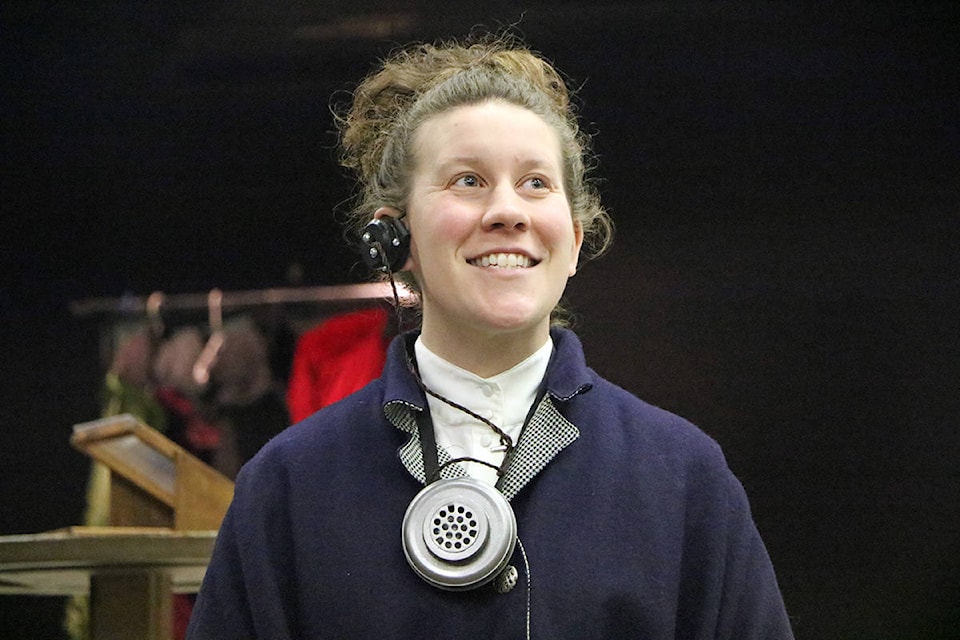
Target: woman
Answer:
[[597, 515]]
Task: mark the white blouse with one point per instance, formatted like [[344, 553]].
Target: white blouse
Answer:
[[503, 399]]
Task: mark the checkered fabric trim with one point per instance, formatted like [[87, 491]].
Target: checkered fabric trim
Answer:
[[547, 434], [402, 416]]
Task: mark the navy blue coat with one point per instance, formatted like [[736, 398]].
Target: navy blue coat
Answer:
[[631, 521]]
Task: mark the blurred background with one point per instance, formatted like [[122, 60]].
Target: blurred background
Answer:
[[785, 177]]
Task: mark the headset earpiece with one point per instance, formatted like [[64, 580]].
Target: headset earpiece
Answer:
[[459, 533], [386, 244]]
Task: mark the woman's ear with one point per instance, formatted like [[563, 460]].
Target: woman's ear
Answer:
[[577, 244], [384, 212]]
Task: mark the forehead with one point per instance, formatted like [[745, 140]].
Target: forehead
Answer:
[[492, 130]]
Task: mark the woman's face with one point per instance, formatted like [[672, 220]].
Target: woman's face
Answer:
[[492, 238]]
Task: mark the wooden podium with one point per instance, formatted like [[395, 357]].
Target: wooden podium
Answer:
[[153, 481], [165, 508]]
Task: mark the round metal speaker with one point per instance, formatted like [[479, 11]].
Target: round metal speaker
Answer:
[[459, 533]]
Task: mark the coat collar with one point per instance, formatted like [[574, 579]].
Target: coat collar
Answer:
[[547, 434]]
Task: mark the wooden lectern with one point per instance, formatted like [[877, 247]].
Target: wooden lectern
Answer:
[[155, 485], [165, 507], [153, 481]]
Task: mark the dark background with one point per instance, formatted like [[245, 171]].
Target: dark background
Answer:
[[785, 181]]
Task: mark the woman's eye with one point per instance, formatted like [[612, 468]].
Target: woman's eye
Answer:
[[536, 182], [468, 180]]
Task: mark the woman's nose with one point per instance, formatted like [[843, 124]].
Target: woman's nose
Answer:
[[505, 209]]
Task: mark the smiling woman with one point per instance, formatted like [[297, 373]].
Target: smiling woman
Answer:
[[488, 197], [487, 450]]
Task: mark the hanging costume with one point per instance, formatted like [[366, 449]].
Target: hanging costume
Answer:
[[631, 525], [336, 358]]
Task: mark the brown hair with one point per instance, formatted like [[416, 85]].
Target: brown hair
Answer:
[[424, 80]]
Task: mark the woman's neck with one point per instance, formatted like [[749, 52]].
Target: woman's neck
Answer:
[[484, 353]]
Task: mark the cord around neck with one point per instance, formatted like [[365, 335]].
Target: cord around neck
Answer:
[[428, 444]]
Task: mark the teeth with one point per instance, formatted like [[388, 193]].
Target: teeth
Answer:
[[503, 261]]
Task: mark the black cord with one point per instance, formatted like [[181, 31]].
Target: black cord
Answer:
[[469, 459], [424, 421], [505, 439]]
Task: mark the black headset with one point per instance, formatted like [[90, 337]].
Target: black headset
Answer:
[[459, 533], [386, 244]]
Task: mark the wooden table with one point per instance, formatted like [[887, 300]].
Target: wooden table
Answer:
[[128, 572]]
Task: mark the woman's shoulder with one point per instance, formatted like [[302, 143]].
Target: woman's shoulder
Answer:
[[331, 428], [655, 428]]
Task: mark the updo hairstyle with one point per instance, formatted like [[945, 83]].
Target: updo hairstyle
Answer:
[[422, 81]]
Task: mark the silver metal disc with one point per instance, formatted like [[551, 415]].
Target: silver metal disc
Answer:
[[459, 533]]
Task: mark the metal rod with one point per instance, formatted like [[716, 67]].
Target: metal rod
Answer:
[[158, 302]]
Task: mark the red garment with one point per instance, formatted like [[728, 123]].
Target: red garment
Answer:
[[336, 358], [197, 435]]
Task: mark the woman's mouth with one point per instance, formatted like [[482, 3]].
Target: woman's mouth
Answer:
[[503, 261]]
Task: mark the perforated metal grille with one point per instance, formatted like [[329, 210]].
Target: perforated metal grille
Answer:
[[455, 527]]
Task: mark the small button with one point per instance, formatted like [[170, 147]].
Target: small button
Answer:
[[488, 390], [486, 440], [507, 580]]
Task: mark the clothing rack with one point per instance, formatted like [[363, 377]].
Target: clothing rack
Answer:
[[158, 302]]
